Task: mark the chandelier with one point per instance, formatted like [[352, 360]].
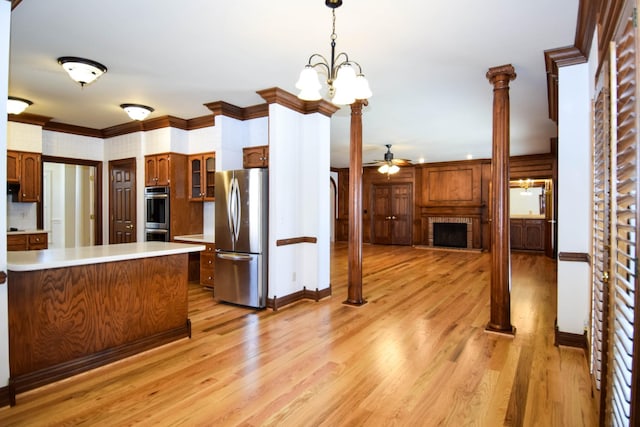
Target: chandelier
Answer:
[[344, 82], [525, 185]]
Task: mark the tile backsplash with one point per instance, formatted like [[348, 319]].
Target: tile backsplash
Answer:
[[22, 216]]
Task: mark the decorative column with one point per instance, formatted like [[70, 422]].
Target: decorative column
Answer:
[[354, 289], [500, 320]]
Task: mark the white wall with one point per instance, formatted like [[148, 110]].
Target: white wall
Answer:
[[574, 196], [298, 202], [5, 27]]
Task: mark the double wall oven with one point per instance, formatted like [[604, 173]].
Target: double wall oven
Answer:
[[156, 212]]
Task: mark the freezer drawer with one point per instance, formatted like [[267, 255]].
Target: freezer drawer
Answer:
[[240, 279]]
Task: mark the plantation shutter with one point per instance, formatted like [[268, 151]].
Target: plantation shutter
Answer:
[[601, 232], [621, 411]]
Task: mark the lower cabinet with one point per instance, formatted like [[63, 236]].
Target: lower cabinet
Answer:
[[207, 263], [527, 234], [27, 242]]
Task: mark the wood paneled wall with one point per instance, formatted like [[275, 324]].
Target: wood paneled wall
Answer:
[[460, 188]]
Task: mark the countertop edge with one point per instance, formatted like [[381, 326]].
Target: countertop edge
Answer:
[[21, 261]]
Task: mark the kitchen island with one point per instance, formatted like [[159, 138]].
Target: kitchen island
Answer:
[[74, 309]]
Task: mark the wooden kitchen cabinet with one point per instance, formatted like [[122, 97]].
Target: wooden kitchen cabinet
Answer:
[[24, 168], [207, 263], [202, 170], [27, 241], [527, 234], [255, 157], [157, 169]]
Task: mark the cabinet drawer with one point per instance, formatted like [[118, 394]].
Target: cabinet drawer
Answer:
[[37, 241], [17, 242], [207, 267]]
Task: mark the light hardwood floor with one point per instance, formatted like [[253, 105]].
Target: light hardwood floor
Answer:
[[415, 355]]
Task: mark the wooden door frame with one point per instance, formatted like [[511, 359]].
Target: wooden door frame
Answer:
[[112, 163], [98, 190]]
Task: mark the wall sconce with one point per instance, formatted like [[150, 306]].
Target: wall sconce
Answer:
[[137, 111], [83, 71], [17, 105]]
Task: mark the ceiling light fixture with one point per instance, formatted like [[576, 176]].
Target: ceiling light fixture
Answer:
[[525, 184], [137, 111], [83, 71], [17, 105], [345, 85]]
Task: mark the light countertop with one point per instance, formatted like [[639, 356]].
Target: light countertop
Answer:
[[69, 257], [527, 216], [14, 233], [196, 238]]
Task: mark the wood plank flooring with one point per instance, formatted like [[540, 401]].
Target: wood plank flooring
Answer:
[[415, 355]]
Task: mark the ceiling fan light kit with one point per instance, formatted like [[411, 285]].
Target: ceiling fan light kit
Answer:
[[345, 84], [390, 165]]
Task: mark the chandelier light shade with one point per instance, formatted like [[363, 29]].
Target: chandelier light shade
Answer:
[[137, 111], [345, 79], [389, 169], [17, 105], [83, 71]]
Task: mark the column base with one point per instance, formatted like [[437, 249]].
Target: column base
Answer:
[[356, 303], [509, 332]]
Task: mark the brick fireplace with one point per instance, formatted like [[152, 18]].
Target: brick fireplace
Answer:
[[448, 242]]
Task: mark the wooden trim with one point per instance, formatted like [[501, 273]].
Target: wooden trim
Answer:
[[574, 257], [296, 240], [586, 25], [569, 339], [15, 3], [21, 383], [609, 16], [201, 122], [275, 303], [72, 129], [5, 397], [279, 96], [221, 108], [29, 119], [553, 59], [3, 277]]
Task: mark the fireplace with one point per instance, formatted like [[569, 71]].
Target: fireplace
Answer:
[[450, 231], [450, 234]]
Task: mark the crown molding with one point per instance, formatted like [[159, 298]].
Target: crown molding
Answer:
[[221, 108], [72, 129], [279, 96], [554, 59], [28, 118]]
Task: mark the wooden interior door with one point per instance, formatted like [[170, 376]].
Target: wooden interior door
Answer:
[[392, 216], [122, 206]]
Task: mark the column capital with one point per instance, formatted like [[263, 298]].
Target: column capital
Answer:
[[501, 73]]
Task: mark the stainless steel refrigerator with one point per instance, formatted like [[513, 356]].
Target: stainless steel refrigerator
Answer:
[[241, 230]]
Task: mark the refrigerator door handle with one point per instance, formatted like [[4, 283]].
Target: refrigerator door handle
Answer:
[[234, 257], [234, 209]]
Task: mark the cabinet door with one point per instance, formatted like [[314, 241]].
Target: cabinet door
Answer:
[[534, 235], [163, 165], [30, 178], [195, 177], [150, 171], [209, 176], [255, 157], [516, 234], [17, 242], [13, 166]]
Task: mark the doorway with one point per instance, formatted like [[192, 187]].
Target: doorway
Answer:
[[391, 205], [71, 205]]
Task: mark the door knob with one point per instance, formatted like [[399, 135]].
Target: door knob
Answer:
[[3, 277], [130, 226]]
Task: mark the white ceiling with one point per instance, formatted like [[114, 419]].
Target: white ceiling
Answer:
[[425, 60]]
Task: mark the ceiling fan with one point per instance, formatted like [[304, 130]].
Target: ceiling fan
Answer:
[[389, 165]]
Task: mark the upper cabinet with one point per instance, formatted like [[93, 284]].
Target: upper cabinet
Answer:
[[255, 157], [202, 169], [25, 169], [157, 169]]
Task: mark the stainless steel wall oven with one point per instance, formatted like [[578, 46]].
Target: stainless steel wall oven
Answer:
[[156, 212]]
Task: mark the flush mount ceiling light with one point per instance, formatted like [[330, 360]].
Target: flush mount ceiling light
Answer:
[[83, 71], [137, 111], [17, 105], [345, 84]]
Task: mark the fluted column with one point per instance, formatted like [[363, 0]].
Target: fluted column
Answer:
[[354, 289], [500, 320]]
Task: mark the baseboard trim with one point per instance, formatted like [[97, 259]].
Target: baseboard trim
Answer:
[[5, 397], [31, 380], [569, 339], [276, 303]]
